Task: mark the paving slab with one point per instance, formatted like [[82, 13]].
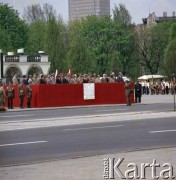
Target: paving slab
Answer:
[[92, 168]]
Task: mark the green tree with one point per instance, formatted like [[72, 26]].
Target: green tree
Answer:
[[36, 37], [125, 40], [55, 44], [170, 58], [5, 41], [153, 42], [98, 34], [122, 15], [13, 28], [79, 56], [170, 53]]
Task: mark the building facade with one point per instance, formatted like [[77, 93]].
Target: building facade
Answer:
[[83, 8], [152, 19], [22, 64]]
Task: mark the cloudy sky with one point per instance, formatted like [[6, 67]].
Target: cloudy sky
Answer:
[[138, 8]]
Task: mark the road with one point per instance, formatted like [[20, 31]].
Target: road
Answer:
[[44, 135]]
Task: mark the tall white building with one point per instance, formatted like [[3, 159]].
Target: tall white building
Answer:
[[83, 8]]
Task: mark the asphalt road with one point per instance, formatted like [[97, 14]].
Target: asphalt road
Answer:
[[45, 135], [82, 111]]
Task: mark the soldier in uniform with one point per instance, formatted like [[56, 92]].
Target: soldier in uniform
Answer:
[[152, 88], [29, 94], [2, 94], [21, 94], [172, 87], [10, 93], [128, 92]]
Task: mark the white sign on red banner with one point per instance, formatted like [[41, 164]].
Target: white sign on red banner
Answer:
[[89, 91]]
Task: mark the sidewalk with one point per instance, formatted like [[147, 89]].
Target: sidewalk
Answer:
[[90, 168], [146, 99]]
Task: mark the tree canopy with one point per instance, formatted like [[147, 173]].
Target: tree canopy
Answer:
[[98, 44], [13, 30]]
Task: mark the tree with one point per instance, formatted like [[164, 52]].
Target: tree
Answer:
[[37, 13], [79, 56], [122, 15], [13, 28], [55, 44], [124, 33], [99, 37], [170, 58], [36, 37], [170, 53], [152, 43], [5, 41]]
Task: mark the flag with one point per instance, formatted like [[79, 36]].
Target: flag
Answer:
[[56, 73]]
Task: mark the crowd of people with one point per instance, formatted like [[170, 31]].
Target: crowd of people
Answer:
[[148, 87], [68, 79], [8, 93], [157, 87], [153, 87], [139, 89]]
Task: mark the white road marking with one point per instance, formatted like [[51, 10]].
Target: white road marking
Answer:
[[163, 131], [100, 127], [106, 110], [18, 115], [23, 143], [6, 125], [74, 117]]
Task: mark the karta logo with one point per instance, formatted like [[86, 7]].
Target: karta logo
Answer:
[[113, 169]]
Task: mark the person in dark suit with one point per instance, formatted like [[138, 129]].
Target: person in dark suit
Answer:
[[138, 92]]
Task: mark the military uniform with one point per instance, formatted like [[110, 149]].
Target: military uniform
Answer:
[[172, 87], [21, 94], [29, 95], [128, 92], [10, 93], [2, 95], [152, 88]]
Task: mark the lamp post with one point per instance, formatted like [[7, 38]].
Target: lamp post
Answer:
[[174, 86], [1, 58]]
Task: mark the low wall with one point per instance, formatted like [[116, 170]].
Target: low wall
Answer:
[[72, 95]]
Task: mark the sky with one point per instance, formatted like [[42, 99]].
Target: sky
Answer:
[[138, 9]]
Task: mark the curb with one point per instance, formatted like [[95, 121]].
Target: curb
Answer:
[[61, 107]]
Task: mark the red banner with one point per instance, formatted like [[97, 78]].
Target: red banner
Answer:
[[55, 95]]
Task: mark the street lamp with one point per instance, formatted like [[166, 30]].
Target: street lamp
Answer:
[[1, 58], [174, 86]]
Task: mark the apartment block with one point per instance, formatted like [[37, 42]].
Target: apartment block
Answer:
[[83, 8]]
